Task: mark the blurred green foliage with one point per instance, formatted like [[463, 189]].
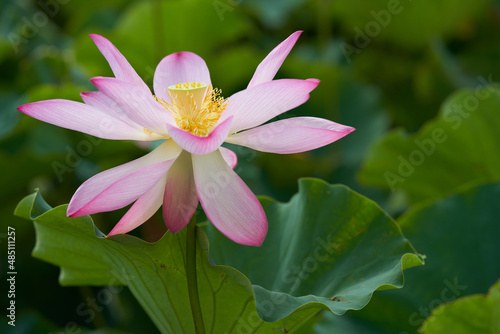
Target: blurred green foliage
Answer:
[[464, 134], [375, 77]]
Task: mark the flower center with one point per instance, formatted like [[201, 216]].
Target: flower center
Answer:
[[196, 107]]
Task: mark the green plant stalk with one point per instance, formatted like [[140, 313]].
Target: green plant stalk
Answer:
[[192, 279]]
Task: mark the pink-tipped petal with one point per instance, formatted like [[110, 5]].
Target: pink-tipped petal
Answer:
[[268, 68], [143, 209], [110, 107], [125, 190], [104, 181], [103, 102], [120, 66], [140, 106], [291, 135], [229, 156], [177, 68], [227, 201], [180, 200], [200, 145], [83, 118], [253, 106]]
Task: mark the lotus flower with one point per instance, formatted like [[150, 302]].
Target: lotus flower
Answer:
[[192, 117]]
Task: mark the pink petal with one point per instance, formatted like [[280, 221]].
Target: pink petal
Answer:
[[200, 145], [120, 66], [132, 185], [180, 200], [291, 135], [253, 106], [268, 68], [83, 118], [229, 204], [123, 191], [143, 209], [110, 107], [229, 156], [139, 105], [177, 68]]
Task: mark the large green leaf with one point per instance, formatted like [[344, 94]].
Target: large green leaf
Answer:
[[478, 314], [350, 226], [459, 236], [425, 164], [328, 247]]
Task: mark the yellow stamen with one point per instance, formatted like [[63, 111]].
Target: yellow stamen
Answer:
[[196, 107], [147, 131]]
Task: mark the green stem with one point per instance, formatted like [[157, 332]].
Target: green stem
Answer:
[[192, 280]]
